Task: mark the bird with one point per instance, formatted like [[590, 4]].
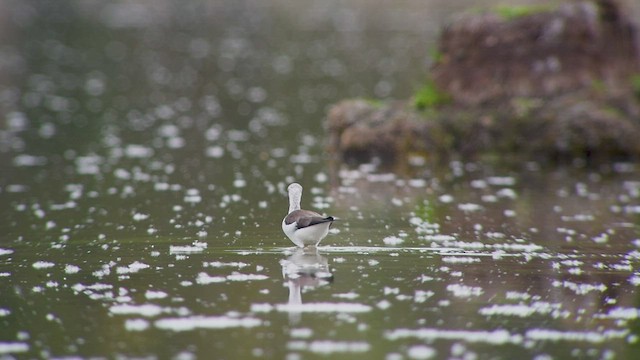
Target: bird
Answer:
[[304, 227]]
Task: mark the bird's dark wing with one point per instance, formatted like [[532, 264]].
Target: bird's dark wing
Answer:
[[304, 218]]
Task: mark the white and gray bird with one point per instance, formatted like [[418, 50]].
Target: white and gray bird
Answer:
[[304, 227]]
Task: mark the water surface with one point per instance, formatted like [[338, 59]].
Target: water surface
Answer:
[[144, 154]]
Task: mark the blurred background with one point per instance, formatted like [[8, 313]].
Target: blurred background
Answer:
[[137, 105], [131, 128]]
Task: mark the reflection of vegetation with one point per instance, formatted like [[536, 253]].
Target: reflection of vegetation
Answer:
[[429, 96], [510, 12], [426, 211]]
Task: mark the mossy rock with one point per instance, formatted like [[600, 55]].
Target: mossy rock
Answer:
[[562, 83]]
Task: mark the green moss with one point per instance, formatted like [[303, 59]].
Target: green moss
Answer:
[[524, 106], [613, 111], [511, 12], [429, 97], [376, 103], [435, 54], [635, 84], [599, 86]]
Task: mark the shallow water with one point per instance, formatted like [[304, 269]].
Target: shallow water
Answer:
[[144, 154]]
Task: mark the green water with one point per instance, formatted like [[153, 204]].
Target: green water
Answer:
[[144, 153]]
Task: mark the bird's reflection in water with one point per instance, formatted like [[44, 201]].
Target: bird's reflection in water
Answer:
[[305, 268]]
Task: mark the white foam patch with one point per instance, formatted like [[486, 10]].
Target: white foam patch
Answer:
[[392, 240], [246, 277], [515, 295], [313, 307], [581, 336], [206, 322], [372, 249], [43, 265], [460, 260], [147, 310], [132, 268], [438, 237], [623, 313], [204, 279], [327, 347], [136, 324], [350, 295], [29, 160], [151, 294], [140, 216], [219, 264], [93, 287], [526, 248], [460, 290], [71, 269], [324, 307], [301, 333], [214, 151], [507, 193], [446, 198], [421, 352], [470, 207], [421, 296], [138, 151], [449, 241], [383, 304], [522, 310], [16, 188], [495, 337], [178, 249], [580, 289], [13, 347], [501, 180], [196, 247], [88, 165], [261, 308], [192, 199], [5, 251]]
